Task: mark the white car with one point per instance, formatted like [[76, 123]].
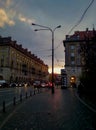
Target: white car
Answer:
[[43, 84]]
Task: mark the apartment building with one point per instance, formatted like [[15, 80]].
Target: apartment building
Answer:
[[73, 59], [18, 64]]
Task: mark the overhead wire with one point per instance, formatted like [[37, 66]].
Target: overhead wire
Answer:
[[58, 45], [78, 22], [56, 60], [81, 17]]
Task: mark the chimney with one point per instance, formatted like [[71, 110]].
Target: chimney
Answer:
[[86, 29]]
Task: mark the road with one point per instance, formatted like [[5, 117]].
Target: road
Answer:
[[7, 94], [45, 111]]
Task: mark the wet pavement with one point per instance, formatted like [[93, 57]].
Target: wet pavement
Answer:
[[46, 111]]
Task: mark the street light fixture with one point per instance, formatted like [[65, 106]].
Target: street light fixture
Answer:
[[52, 31]]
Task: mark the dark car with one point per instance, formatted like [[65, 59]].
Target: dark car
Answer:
[[13, 85], [3, 84], [37, 84]]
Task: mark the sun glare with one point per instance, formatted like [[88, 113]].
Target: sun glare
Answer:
[[56, 70]]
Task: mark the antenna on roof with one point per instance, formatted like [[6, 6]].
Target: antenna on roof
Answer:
[[93, 27]]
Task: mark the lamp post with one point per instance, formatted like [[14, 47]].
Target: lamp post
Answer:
[[52, 31]]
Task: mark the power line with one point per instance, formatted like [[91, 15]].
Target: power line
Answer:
[[81, 17], [58, 45], [44, 50], [77, 22], [58, 61]]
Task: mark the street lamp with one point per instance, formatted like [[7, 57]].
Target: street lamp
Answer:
[[52, 31]]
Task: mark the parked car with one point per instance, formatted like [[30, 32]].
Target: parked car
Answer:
[[43, 85], [3, 83], [13, 85], [49, 84], [37, 84]]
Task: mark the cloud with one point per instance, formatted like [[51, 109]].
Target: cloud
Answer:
[[21, 18], [4, 19], [25, 19], [8, 2]]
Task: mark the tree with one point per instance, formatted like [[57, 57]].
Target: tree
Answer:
[[88, 55]]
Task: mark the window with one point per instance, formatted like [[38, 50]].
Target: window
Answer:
[[73, 70], [72, 54], [72, 47], [72, 62], [2, 62], [72, 58]]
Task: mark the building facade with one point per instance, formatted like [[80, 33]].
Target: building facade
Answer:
[[73, 59], [18, 64]]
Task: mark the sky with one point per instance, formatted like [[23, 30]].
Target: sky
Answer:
[[17, 16]]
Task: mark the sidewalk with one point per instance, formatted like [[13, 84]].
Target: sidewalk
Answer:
[[46, 111]]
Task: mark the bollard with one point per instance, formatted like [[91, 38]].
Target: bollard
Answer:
[[20, 97], [30, 93], [4, 106], [26, 95], [38, 90], [34, 91], [14, 101]]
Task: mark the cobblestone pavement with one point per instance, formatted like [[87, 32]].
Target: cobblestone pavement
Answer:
[[45, 111]]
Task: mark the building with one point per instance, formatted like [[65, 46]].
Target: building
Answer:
[[63, 78], [73, 59], [18, 64]]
